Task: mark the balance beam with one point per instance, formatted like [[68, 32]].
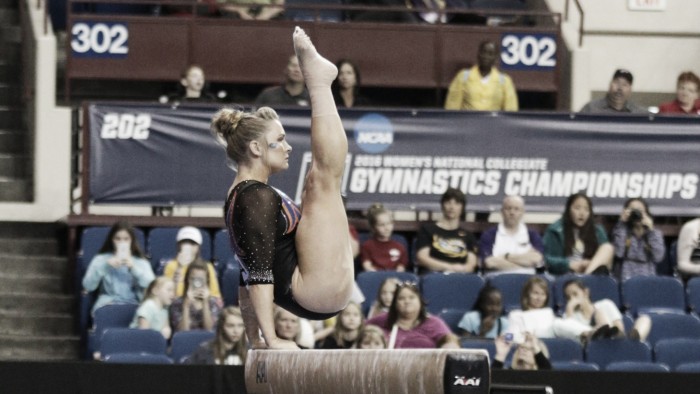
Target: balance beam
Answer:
[[354, 371]]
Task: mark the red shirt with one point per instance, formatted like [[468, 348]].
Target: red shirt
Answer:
[[674, 107], [384, 255]]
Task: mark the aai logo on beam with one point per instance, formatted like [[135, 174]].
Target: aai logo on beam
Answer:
[[374, 133]]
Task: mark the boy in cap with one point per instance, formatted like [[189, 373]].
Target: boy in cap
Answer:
[[617, 98]]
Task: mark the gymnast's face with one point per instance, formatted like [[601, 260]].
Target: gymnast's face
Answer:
[[407, 303], [275, 147], [286, 325], [233, 328]]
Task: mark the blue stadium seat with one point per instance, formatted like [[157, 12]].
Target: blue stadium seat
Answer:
[[457, 290], [600, 287], [222, 254], [486, 344], [563, 349], [693, 367], [162, 246], [692, 292], [229, 285], [574, 366], [137, 358], [109, 316], [132, 340], [511, 286], [184, 343], [301, 14], [644, 294], [673, 325], [369, 283], [675, 351], [605, 351], [636, 366], [452, 318]]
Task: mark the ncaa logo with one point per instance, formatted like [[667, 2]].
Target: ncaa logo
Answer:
[[374, 133]]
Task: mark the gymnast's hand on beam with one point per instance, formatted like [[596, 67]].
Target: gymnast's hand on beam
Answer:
[[282, 344]]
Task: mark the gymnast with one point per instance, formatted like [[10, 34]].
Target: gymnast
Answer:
[[296, 257]]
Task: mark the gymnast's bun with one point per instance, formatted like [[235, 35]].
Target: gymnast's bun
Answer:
[[235, 129]]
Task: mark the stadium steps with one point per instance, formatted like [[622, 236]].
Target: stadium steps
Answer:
[[15, 162], [37, 302]]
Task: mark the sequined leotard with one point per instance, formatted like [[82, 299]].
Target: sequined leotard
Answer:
[[262, 223]]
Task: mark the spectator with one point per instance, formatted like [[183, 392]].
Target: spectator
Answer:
[[229, 346], [385, 296], [688, 251], [511, 246], [381, 252], [288, 326], [196, 309], [291, 92], [189, 243], [686, 101], [482, 87], [444, 246], [618, 96], [486, 320], [639, 247], [263, 10], [435, 11], [192, 87], [346, 87], [347, 329], [575, 243], [371, 337], [535, 317], [530, 355], [152, 314], [119, 270], [408, 324]]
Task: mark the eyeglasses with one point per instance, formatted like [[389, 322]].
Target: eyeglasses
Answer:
[[407, 283]]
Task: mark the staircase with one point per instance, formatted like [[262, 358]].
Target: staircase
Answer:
[[15, 170], [37, 303]]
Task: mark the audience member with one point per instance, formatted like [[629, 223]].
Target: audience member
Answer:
[[585, 320], [639, 247], [444, 246], [408, 324], [535, 317], [482, 87], [196, 309], [371, 337], [189, 243], [531, 355], [385, 296], [435, 11], [263, 10], [486, 320], [347, 329], [192, 87], [288, 326], [575, 243], [381, 252], [688, 249], [229, 346], [120, 270], [511, 246], [617, 100], [686, 101], [152, 314], [346, 87], [291, 92]]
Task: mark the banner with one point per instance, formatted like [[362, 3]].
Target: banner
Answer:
[[405, 159]]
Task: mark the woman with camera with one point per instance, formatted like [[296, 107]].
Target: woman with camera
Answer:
[[197, 309], [638, 245]]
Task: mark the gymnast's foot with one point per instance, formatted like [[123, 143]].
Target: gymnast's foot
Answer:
[[316, 69]]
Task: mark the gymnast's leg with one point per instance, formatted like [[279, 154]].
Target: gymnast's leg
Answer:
[[324, 278]]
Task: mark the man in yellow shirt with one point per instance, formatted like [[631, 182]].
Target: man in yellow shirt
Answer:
[[482, 87]]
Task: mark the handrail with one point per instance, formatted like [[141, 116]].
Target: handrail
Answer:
[[577, 3]]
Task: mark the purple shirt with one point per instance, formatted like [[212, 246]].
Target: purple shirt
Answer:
[[425, 336]]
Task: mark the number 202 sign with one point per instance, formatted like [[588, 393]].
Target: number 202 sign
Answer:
[[99, 39], [532, 52]]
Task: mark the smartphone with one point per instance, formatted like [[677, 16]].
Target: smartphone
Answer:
[[186, 254], [123, 250], [514, 337]]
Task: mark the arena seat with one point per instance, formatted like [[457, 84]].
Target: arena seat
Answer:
[[456, 290]]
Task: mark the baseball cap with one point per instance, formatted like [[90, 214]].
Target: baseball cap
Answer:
[[622, 73], [189, 233]]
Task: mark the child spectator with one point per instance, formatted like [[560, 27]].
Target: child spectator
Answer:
[[371, 337], [348, 325], [686, 101], [119, 270], [189, 242], [229, 346], [536, 317], [486, 320], [152, 314], [385, 296], [530, 355], [196, 309], [381, 253]]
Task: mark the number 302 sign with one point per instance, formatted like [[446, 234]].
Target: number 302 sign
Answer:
[[99, 39], [534, 52]]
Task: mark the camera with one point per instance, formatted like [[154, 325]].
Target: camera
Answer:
[[634, 217], [197, 283]]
